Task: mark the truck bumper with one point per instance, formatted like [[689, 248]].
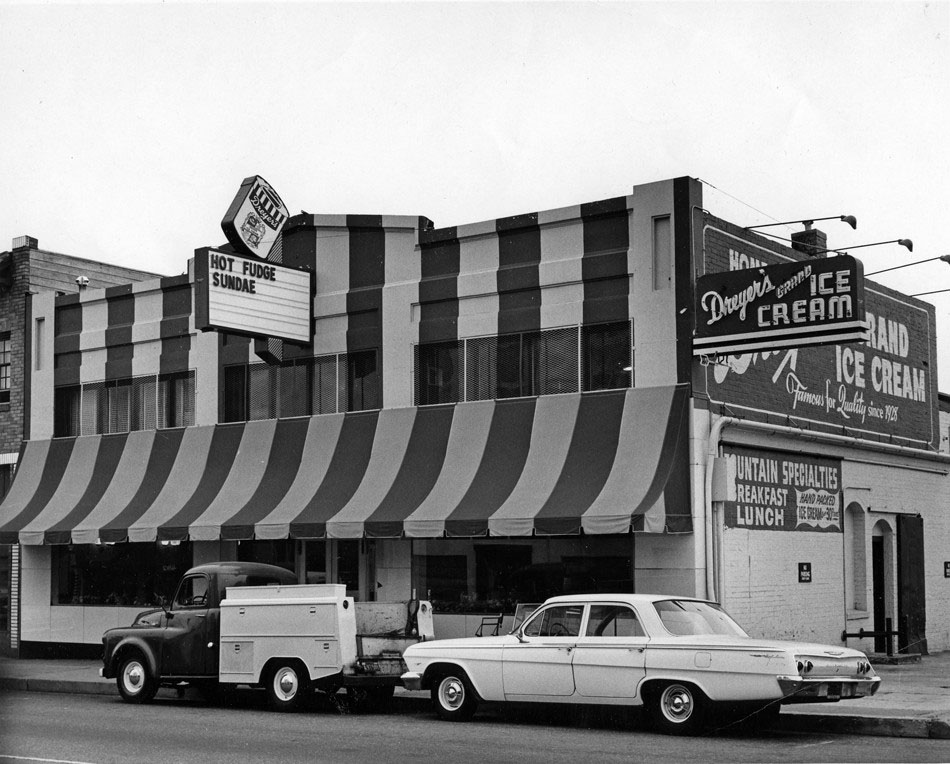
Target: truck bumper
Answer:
[[411, 680]]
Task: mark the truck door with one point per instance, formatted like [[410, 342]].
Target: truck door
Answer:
[[191, 628]]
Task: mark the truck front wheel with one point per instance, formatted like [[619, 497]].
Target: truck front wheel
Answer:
[[286, 687], [136, 684]]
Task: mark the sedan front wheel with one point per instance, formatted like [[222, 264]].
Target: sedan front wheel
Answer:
[[454, 697]]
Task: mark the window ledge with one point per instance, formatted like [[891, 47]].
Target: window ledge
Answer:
[[858, 615]]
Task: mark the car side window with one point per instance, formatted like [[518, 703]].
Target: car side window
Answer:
[[192, 593], [613, 621], [558, 621]]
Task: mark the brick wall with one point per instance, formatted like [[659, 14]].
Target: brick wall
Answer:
[[12, 317], [761, 589]]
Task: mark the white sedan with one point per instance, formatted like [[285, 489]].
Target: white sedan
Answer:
[[680, 657]]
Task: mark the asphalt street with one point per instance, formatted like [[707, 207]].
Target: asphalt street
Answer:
[[97, 729]]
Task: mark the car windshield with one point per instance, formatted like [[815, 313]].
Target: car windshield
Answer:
[[687, 618]]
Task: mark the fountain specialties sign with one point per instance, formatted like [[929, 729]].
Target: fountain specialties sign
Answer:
[[786, 305]]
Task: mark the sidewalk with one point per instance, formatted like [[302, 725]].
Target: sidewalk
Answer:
[[914, 699]]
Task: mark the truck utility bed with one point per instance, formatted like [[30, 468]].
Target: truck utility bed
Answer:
[[338, 640]]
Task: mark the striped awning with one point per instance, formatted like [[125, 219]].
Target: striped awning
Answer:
[[597, 463]]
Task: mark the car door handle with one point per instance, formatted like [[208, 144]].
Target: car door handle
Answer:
[[201, 615]]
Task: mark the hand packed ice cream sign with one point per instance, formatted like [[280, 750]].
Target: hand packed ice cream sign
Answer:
[[254, 218], [784, 305], [784, 492]]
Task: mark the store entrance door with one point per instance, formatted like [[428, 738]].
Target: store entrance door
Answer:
[[878, 591], [911, 594]]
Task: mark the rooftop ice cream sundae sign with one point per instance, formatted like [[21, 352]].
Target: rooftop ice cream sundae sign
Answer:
[[254, 218]]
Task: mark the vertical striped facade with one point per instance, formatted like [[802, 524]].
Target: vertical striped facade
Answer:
[[554, 461], [124, 331]]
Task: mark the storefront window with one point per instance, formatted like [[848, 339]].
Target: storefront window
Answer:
[[465, 576], [67, 410], [124, 405], [438, 373], [127, 575], [607, 356], [303, 387], [280, 552], [549, 362]]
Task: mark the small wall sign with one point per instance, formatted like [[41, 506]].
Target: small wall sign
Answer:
[[804, 572], [946, 570]]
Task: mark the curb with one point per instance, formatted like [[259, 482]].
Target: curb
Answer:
[[11, 684], [936, 729]]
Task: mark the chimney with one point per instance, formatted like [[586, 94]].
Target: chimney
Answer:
[[25, 241], [810, 240]]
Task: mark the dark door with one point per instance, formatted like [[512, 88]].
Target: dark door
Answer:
[[190, 646], [877, 578], [911, 596]]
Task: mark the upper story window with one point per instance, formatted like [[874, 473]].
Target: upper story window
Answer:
[[124, 405], [592, 357], [303, 387], [5, 367]]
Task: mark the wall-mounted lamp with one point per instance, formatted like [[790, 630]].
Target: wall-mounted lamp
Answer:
[[844, 250], [945, 258], [851, 220]]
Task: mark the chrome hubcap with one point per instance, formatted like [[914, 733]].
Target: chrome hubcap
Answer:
[[452, 693], [134, 676], [677, 703], [285, 684]]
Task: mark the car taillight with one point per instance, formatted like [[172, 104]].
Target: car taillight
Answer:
[[805, 666]]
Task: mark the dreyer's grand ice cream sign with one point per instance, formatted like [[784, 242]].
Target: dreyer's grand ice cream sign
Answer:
[[882, 386], [780, 305]]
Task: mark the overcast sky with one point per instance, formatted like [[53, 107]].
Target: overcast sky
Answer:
[[126, 129]]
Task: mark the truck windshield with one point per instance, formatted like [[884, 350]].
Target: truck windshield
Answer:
[[686, 618], [193, 592]]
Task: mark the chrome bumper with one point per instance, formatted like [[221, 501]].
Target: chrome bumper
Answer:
[[795, 689], [411, 680]]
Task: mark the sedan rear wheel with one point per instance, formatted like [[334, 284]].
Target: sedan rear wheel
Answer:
[[679, 709], [454, 697]]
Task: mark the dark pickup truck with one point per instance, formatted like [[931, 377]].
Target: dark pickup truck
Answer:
[[236, 623]]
